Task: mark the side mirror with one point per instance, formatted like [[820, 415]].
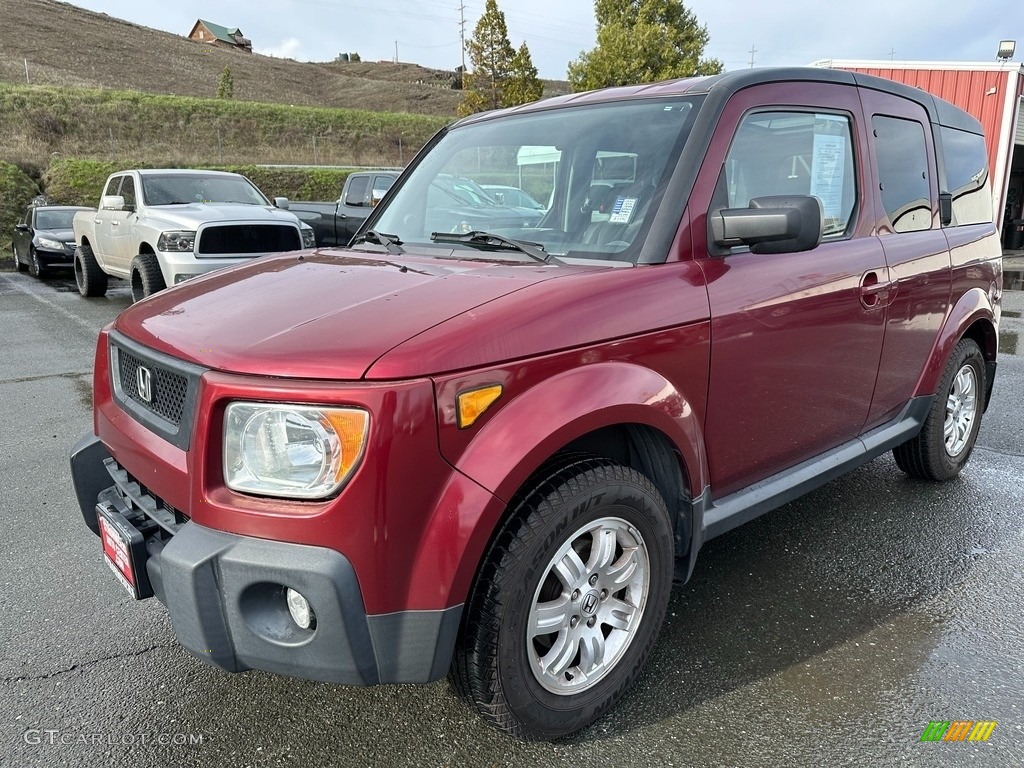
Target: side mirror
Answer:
[[775, 224], [21, 227], [281, 202], [112, 203]]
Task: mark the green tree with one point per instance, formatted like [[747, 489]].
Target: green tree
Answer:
[[226, 84], [491, 55], [642, 41], [522, 85]]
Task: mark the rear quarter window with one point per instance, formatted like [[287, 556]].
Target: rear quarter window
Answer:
[[967, 178]]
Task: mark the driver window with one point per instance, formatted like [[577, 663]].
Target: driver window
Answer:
[[128, 192], [112, 186], [794, 153], [356, 194]]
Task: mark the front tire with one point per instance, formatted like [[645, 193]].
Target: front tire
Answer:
[[89, 277], [568, 603], [36, 268], [944, 444], [146, 277]]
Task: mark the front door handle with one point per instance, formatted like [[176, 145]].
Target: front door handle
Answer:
[[876, 290]]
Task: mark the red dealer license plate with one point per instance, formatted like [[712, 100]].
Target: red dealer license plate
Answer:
[[124, 550]]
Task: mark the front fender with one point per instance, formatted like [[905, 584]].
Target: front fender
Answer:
[[526, 431], [974, 306], [536, 423]]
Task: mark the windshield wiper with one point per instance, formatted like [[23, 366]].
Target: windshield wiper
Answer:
[[391, 242], [482, 239]]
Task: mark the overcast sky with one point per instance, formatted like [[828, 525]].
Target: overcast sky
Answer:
[[427, 31]]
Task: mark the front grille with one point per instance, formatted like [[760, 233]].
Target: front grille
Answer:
[[248, 239], [173, 389], [167, 389]]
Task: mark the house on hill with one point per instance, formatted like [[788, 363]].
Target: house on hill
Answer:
[[214, 34]]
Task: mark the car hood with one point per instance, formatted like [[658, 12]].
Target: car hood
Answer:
[[191, 215], [323, 314], [64, 235]]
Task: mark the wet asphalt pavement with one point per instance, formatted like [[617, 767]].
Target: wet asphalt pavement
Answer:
[[829, 632]]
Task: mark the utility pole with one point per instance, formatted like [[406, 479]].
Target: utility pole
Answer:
[[462, 43], [753, 50], [892, 53], [396, 51]]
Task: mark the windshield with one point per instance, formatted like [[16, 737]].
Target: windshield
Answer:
[[179, 188], [601, 171], [58, 219]]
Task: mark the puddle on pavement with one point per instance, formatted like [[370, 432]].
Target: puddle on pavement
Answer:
[[1013, 279]]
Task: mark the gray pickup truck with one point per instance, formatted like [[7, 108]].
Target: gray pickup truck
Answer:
[[335, 223], [459, 204]]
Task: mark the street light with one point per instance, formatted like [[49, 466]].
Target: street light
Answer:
[[1006, 49]]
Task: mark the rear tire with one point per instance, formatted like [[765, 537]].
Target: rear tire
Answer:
[[943, 446], [146, 277], [90, 279], [568, 603], [18, 266]]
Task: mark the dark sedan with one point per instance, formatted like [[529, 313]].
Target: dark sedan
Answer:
[[44, 238]]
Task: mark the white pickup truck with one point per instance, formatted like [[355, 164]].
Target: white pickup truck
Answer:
[[157, 228]]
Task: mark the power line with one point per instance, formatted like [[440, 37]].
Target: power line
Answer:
[[462, 43]]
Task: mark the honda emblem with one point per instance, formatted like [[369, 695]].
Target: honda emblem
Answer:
[[144, 379]]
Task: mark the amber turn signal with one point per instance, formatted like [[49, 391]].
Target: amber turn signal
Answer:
[[473, 403]]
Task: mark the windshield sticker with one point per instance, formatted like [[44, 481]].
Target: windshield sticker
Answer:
[[622, 211], [827, 173]]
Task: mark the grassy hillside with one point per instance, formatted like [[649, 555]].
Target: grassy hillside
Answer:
[[40, 122], [69, 46]]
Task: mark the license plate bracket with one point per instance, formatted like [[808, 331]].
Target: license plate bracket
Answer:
[[124, 550]]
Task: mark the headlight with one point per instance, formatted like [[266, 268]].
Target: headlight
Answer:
[[51, 245], [291, 451], [176, 241], [308, 237]]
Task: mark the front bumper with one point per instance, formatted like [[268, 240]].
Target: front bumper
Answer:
[[53, 258], [225, 595], [179, 266]]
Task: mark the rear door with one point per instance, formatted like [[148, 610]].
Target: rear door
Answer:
[[905, 197], [796, 337]]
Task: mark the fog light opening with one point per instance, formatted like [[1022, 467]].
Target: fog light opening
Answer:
[[300, 610]]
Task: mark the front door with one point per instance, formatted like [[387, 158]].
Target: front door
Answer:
[[123, 238], [796, 337]]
